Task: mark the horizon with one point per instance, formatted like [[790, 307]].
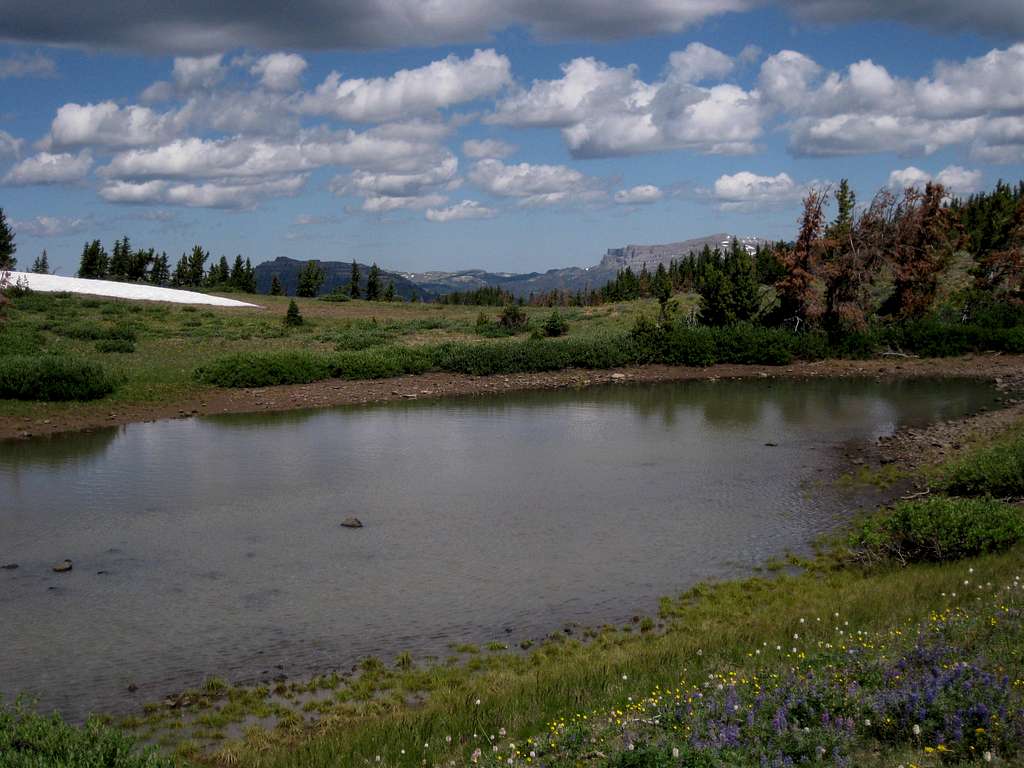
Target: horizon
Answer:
[[505, 139]]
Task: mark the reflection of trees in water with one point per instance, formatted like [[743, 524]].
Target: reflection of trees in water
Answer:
[[56, 450]]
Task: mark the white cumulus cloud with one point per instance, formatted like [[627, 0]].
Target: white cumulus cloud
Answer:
[[477, 149], [467, 209], [280, 71], [644, 193], [48, 168], [749, 191], [408, 92]]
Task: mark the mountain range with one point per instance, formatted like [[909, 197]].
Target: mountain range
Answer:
[[429, 285]]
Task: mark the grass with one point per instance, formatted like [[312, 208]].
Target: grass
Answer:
[[171, 342]]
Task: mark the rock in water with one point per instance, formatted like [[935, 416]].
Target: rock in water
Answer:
[[9, 567], [352, 522], [62, 567]]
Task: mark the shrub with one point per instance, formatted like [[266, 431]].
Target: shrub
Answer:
[[940, 529], [263, 369], [30, 740], [52, 378], [91, 331], [338, 294], [381, 362], [115, 345], [360, 334], [20, 341], [995, 471]]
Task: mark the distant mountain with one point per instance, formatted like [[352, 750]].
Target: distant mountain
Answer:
[[429, 285], [338, 275], [574, 279]]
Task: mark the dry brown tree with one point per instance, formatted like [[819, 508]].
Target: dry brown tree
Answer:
[[925, 236], [799, 297]]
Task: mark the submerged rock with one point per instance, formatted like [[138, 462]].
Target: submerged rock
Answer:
[[9, 566], [352, 522], [63, 567]]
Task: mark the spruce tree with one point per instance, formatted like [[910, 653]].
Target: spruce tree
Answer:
[[120, 259], [238, 276], [41, 266], [94, 263], [310, 279], [181, 277], [293, 316], [249, 282], [742, 275], [353, 285], [196, 266], [373, 283], [389, 292], [275, 286], [160, 273], [7, 244]]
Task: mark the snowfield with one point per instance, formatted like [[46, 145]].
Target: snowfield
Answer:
[[56, 283]]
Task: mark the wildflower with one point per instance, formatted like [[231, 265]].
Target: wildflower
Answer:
[[502, 732], [987, 756], [448, 739], [916, 729], [675, 752], [625, 677]]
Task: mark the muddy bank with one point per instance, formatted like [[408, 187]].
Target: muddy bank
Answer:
[[1006, 370]]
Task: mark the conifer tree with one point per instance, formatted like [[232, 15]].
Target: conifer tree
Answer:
[[7, 244], [160, 273], [353, 285], [373, 283], [389, 292], [94, 263], [41, 266], [311, 277], [293, 316], [742, 276], [180, 277], [275, 286], [196, 266], [120, 259]]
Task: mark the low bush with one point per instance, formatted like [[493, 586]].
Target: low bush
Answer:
[[108, 346], [995, 471], [30, 740], [381, 362], [263, 369], [939, 529], [52, 378], [92, 331], [513, 318], [16, 340]]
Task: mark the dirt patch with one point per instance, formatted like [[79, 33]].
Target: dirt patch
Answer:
[[1006, 370]]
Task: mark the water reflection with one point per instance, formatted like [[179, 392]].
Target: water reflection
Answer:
[[213, 546]]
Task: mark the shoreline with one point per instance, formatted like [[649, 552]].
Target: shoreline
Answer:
[[1006, 371]]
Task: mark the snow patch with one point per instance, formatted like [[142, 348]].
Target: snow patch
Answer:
[[56, 283]]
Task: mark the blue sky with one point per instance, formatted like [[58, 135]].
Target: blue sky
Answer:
[[507, 136]]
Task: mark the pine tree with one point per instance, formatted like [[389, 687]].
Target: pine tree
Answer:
[[94, 263], [41, 266], [353, 285], [275, 286], [180, 277], [196, 266], [249, 283], [716, 299], [311, 277], [389, 292], [220, 273], [7, 244], [746, 296], [293, 316], [120, 259], [373, 283], [160, 273]]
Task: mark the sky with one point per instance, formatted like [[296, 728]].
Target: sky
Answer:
[[508, 135]]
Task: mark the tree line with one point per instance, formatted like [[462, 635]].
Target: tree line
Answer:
[[138, 265]]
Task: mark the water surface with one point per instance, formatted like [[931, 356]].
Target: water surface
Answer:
[[212, 546]]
